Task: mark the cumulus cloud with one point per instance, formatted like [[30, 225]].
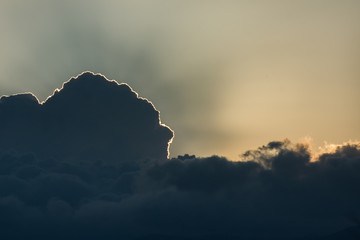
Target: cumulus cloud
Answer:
[[90, 163], [185, 197], [89, 117]]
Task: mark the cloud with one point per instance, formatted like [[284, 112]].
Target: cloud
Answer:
[[89, 117], [91, 162]]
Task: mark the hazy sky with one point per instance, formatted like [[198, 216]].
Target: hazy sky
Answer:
[[226, 75]]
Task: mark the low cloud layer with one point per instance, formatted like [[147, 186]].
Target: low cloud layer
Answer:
[[90, 163]]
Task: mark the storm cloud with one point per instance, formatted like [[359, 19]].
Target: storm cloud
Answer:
[[91, 163]]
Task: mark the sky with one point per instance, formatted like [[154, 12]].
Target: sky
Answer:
[[180, 120], [227, 76]]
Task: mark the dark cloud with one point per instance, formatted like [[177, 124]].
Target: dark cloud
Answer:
[[89, 117], [90, 163]]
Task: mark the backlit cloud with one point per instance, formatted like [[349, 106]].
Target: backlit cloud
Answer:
[[91, 163], [90, 117]]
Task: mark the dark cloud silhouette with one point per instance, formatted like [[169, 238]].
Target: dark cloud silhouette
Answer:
[[90, 117], [91, 163]]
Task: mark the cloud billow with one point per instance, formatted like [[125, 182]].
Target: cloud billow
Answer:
[[91, 163], [89, 117]]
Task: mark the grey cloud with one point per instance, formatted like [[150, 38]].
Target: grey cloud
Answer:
[[90, 163], [89, 117]]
